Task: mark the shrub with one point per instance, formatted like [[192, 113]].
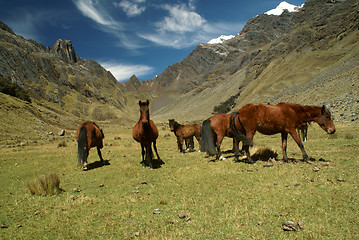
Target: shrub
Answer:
[[12, 89], [45, 185], [226, 106]]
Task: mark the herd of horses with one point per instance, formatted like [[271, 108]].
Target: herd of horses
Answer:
[[241, 125]]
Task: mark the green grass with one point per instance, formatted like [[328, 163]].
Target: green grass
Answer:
[[221, 199]]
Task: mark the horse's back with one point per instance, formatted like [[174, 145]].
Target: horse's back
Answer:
[[220, 123], [94, 134], [269, 119]]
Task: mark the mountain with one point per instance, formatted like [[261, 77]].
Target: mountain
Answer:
[[55, 87], [306, 56]]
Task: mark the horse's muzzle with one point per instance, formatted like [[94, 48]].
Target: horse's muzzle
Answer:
[[331, 131]]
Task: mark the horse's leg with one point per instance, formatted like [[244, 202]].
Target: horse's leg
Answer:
[[191, 144], [158, 156], [198, 137], [245, 146], [84, 164], [300, 145], [236, 149], [100, 154], [284, 146], [218, 145], [180, 144], [143, 152]]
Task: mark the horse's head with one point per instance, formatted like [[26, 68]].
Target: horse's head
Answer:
[[325, 120], [145, 111], [171, 124]]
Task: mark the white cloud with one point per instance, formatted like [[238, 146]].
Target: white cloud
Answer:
[[92, 10], [132, 8], [181, 19], [123, 72]]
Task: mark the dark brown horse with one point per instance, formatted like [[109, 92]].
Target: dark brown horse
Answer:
[[214, 129], [185, 132], [302, 130], [282, 118], [88, 135], [145, 132]]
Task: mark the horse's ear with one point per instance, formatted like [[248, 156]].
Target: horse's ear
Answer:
[[147, 102], [325, 111], [139, 102]]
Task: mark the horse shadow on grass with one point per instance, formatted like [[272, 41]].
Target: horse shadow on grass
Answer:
[[97, 164]]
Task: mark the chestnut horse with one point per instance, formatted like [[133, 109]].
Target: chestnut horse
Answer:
[[145, 132], [88, 135], [282, 118], [214, 129], [185, 132]]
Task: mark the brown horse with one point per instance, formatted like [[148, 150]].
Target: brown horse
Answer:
[[88, 135], [145, 132], [185, 132], [302, 130], [282, 118], [214, 129]]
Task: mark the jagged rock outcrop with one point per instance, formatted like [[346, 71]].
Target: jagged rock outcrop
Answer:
[[65, 50]]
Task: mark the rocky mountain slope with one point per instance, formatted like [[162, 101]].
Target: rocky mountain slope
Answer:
[[306, 57], [59, 88]]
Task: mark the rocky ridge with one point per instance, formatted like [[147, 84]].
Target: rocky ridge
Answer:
[[270, 60]]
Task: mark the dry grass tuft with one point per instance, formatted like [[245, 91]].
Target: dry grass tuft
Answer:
[[264, 154], [48, 184]]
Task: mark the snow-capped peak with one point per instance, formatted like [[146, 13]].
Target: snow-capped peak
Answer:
[[221, 39], [282, 7]]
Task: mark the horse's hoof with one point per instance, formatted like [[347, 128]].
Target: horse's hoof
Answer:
[[222, 158]]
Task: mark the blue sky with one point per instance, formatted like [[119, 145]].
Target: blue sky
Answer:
[[127, 37]]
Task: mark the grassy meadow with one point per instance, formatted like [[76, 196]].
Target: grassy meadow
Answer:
[[190, 197]]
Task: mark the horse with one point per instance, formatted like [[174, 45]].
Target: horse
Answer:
[[88, 135], [302, 130], [282, 118], [145, 132], [213, 130], [185, 132]]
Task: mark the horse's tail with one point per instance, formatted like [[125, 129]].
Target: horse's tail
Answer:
[[82, 150], [207, 142], [238, 135]]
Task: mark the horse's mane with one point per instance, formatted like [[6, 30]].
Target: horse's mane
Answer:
[[177, 125], [305, 111], [103, 136]]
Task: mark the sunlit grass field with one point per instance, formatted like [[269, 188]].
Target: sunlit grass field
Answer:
[[194, 196]]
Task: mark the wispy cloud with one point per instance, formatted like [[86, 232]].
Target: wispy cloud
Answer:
[[179, 27], [132, 8], [93, 10], [123, 72]]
